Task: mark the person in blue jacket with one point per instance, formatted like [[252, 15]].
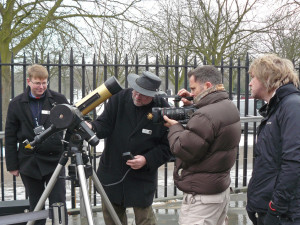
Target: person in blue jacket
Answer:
[[126, 127], [274, 189]]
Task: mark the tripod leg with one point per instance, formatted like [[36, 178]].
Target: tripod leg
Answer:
[[62, 162], [105, 198], [47, 190], [83, 185]]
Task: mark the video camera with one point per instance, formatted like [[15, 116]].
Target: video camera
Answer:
[[181, 114], [64, 116]]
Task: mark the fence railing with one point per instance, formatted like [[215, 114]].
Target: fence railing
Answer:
[[75, 80]]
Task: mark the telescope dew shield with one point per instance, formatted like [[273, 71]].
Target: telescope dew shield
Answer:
[[110, 87]]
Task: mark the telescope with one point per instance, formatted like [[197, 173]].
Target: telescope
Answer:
[[65, 116]]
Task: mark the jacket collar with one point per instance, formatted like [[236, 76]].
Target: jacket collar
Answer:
[[211, 98], [25, 96], [280, 94]]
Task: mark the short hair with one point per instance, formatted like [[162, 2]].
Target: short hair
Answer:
[[273, 71], [206, 73], [37, 71]]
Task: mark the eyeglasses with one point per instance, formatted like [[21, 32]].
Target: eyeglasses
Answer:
[[39, 83]]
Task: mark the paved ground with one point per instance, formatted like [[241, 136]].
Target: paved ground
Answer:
[[167, 213]]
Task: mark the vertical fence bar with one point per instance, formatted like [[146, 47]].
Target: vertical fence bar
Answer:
[[157, 66], [238, 106], [48, 69], [157, 74], [126, 71], [116, 66], [166, 164], [176, 75], [105, 67], [59, 73], [71, 67], [230, 78], [185, 72], [1, 140], [136, 64], [167, 73], [93, 161], [71, 77], [147, 63], [12, 96], [36, 58], [246, 124], [24, 73], [83, 77], [222, 69]]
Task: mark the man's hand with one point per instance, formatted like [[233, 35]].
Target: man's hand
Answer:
[[138, 162], [169, 122], [15, 172], [185, 93]]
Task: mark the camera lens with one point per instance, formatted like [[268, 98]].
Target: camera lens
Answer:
[[180, 114]]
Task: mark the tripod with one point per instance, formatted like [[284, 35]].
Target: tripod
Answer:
[[84, 169]]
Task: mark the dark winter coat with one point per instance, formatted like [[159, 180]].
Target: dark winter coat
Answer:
[[206, 148], [276, 172], [43, 159], [140, 136]]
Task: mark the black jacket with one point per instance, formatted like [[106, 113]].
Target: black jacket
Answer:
[[276, 169], [19, 126], [140, 136]]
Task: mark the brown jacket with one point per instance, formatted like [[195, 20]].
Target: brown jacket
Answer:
[[206, 148]]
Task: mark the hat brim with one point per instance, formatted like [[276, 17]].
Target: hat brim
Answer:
[[131, 78]]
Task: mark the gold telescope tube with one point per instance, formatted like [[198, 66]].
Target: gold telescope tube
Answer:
[[110, 87]]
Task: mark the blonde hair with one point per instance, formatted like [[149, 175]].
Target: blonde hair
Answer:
[[273, 71], [37, 71]]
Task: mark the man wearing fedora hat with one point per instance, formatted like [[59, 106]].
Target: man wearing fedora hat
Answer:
[[124, 124]]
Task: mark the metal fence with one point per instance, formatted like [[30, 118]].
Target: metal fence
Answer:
[[75, 80]]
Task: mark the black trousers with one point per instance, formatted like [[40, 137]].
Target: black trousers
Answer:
[[35, 189]]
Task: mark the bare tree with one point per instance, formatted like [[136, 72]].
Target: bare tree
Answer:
[[22, 22]]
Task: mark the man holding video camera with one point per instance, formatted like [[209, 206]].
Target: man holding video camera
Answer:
[[28, 115], [135, 148], [205, 149]]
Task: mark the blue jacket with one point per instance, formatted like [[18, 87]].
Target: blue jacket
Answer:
[[276, 169]]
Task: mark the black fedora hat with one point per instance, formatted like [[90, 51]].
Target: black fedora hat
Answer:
[[147, 84]]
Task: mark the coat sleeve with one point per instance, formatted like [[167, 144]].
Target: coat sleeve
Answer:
[[288, 177], [191, 143], [105, 123], [11, 128]]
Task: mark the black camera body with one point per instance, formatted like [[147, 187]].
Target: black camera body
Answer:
[[181, 114]]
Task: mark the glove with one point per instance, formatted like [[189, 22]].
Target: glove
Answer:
[[272, 217], [252, 217]]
